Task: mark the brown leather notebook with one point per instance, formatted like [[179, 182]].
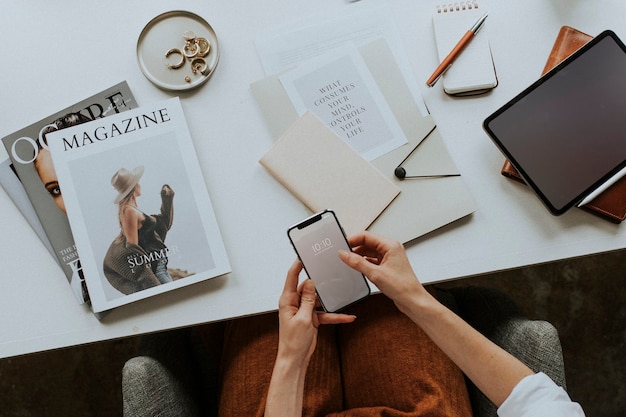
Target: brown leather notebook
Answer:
[[611, 204]]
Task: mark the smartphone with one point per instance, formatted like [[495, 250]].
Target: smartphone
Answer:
[[317, 241]]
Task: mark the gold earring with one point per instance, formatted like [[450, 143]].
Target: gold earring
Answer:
[[204, 47], [199, 65], [177, 64], [191, 49]]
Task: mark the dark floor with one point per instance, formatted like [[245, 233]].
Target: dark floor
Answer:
[[584, 298]]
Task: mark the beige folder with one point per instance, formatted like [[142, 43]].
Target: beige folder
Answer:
[[324, 172], [424, 204]]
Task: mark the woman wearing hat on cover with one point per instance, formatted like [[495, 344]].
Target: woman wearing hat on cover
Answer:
[[137, 258]]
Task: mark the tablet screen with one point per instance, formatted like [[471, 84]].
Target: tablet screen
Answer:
[[566, 133]]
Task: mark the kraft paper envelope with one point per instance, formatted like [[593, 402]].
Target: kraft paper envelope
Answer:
[[424, 204]]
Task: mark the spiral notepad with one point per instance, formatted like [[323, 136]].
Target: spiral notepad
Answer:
[[473, 71]]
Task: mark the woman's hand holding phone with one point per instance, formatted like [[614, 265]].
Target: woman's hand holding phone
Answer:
[[299, 322], [298, 317]]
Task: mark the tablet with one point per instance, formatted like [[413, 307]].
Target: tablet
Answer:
[[566, 133]]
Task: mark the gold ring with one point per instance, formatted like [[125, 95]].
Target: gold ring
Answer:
[[191, 49], [199, 65], [204, 47], [177, 64]]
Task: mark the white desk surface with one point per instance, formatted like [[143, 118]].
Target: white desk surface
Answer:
[[56, 53]]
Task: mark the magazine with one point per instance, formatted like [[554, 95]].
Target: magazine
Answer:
[[30, 159], [17, 194], [137, 203]]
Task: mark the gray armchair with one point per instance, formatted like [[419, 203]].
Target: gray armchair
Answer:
[[171, 378]]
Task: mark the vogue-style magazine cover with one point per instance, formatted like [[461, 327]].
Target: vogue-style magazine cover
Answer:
[[138, 205], [30, 159]]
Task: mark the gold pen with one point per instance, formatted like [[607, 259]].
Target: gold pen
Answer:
[[456, 51]]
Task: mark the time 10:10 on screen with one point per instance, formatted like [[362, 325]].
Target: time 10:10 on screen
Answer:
[[322, 245]]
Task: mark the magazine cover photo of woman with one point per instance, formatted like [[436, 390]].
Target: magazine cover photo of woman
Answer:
[[44, 167], [43, 162], [138, 257]]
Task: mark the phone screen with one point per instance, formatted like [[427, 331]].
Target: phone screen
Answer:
[[317, 241]]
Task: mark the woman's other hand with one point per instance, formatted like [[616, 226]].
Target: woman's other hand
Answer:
[[384, 262]]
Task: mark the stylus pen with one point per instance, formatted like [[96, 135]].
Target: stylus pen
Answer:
[[603, 187], [456, 51]]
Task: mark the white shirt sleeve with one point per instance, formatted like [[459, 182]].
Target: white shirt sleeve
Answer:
[[538, 396]]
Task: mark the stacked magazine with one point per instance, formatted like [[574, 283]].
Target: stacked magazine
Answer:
[[116, 193]]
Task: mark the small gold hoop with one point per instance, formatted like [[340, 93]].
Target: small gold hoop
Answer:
[[204, 47], [177, 64], [199, 65], [191, 49]]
